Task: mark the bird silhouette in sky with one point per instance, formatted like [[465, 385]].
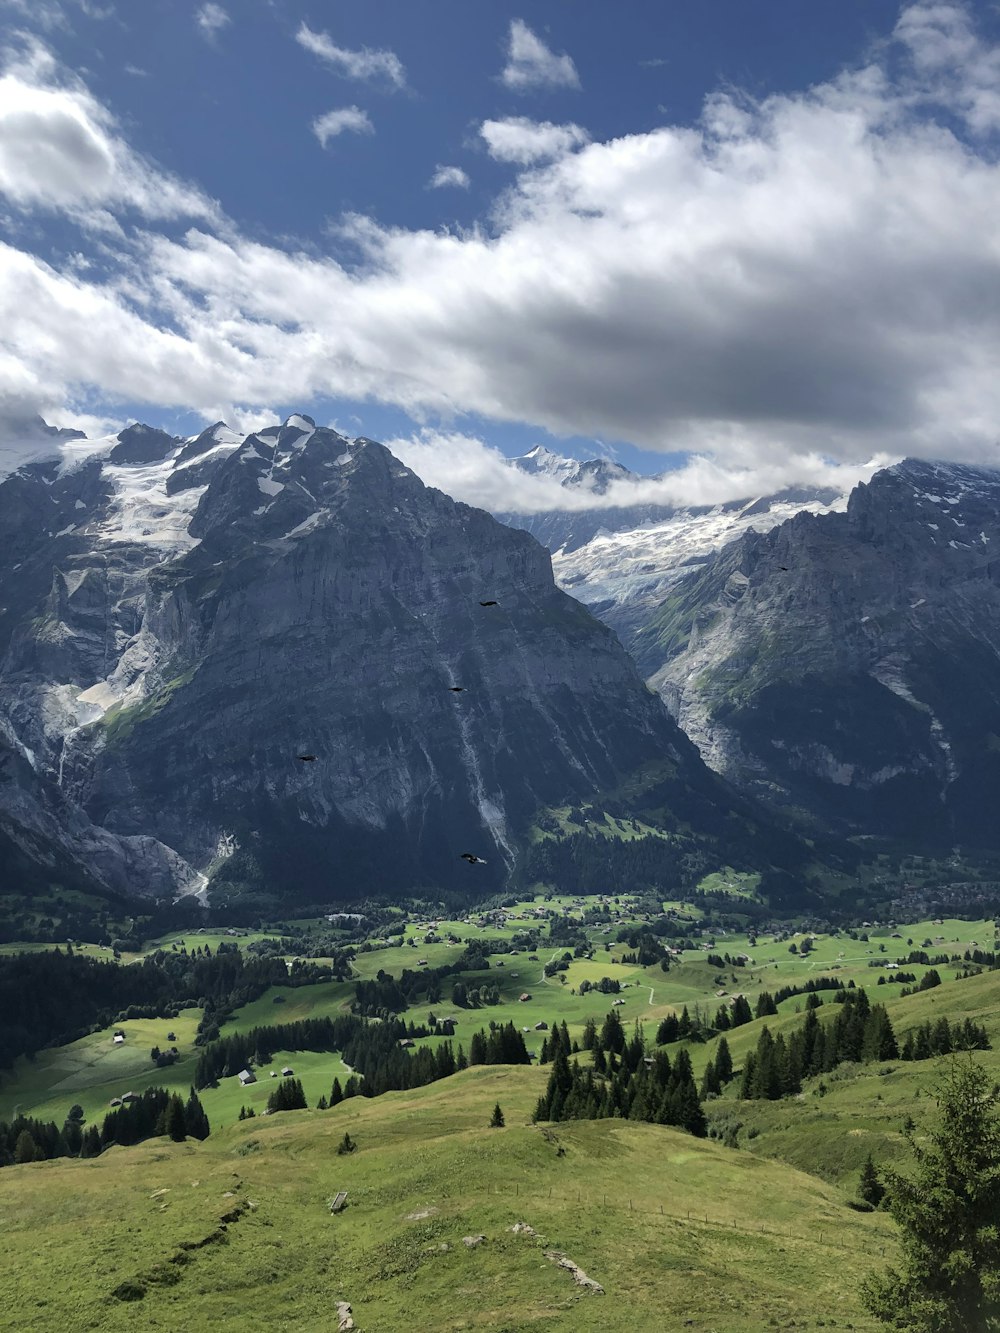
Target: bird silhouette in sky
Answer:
[[489, 603], [473, 860], [784, 568], [457, 689], [306, 758]]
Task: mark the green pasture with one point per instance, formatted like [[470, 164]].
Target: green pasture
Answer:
[[93, 1070], [670, 1226]]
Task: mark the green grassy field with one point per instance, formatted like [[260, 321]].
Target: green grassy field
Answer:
[[626, 1202], [863, 1106], [94, 1072]]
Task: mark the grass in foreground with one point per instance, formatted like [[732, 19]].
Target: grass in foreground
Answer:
[[779, 1247]]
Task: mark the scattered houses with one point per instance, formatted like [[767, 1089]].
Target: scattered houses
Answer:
[[524, 997], [246, 1077]]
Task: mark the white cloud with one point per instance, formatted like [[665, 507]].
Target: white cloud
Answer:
[[60, 149], [346, 119], [449, 176], [469, 469], [530, 63], [382, 66], [211, 19], [518, 139], [793, 284]]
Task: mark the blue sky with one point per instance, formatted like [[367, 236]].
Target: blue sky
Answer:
[[749, 240]]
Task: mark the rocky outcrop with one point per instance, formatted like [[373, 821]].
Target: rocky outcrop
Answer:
[[848, 665]]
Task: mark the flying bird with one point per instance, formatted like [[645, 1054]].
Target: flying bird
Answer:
[[489, 603], [473, 860], [783, 568], [457, 689], [306, 758]]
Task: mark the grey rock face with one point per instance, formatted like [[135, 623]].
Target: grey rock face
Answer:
[[849, 664], [172, 651]]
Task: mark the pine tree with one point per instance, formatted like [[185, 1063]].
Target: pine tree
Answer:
[[336, 1093], [496, 1119], [174, 1123], [870, 1187], [723, 1061], [195, 1118], [25, 1149], [949, 1214]]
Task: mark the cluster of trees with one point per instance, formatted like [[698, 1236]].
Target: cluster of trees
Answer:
[[473, 997], [154, 1112], [595, 863], [927, 982], [626, 1086], [287, 1096], [861, 1031], [502, 1045], [606, 985], [372, 1049], [942, 1037], [54, 997]]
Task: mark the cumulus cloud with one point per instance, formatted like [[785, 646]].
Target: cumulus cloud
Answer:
[[60, 149], [795, 283], [345, 119], [449, 176], [211, 19], [530, 63], [518, 139], [378, 66]]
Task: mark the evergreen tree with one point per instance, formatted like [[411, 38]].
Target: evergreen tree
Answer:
[[949, 1214], [195, 1118], [870, 1187], [336, 1093], [25, 1149], [346, 1145], [667, 1032], [496, 1119], [723, 1062], [174, 1123]]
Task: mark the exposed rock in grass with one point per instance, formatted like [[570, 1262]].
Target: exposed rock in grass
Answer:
[[579, 1276], [522, 1229], [345, 1320], [472, 1241], [420, 1214]]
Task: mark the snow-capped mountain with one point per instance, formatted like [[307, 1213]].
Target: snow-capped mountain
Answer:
[[622, 561], [181, 619], [848, 663]]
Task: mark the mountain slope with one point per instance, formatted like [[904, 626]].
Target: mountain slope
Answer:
[[621, 560], [182, 619], [849, 664], [625, 1201]]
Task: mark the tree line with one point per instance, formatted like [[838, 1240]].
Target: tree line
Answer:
[[151, 1113], [623, 1083], [54, 997]]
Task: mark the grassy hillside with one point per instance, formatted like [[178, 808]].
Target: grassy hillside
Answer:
[[780, 1247], [841, 1117]]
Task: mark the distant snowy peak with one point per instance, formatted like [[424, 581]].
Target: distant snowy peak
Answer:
[[594, 474]]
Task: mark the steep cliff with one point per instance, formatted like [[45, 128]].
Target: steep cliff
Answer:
[[183, 619], [849, 664]]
